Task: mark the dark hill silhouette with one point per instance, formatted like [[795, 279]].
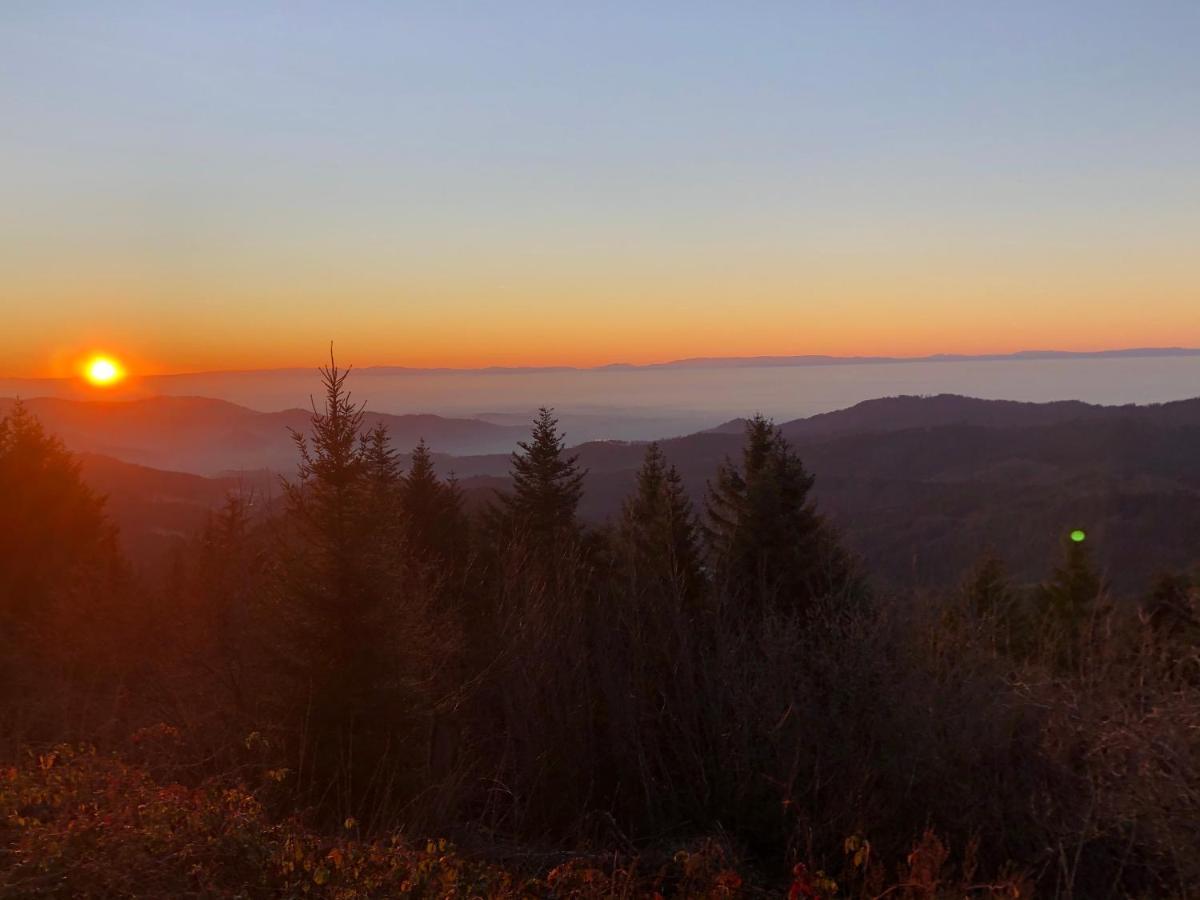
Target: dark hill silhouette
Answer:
[[923, 485], [896, 413], [205, 436], [920, 485], [155, 510]]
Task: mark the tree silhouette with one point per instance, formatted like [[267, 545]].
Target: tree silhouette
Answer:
[[382, 482], [339, 597], [547, 484], [766, 539], [433, 520], [658, 532], [67, 613], [1068, 600], [52, 526]]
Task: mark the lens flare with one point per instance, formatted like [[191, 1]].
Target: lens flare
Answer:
[[103, 371]]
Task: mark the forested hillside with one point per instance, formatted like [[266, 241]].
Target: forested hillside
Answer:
[[918, 486], [699, 698]]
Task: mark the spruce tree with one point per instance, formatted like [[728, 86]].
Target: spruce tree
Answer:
[[382, 483], [218, 611], [766, 539], [380, 466], [991, 601], [431, 511], [67, 612], [658, 532], [337, 595], [988, 590], [547, 484], [53, 532], [1068, 600]]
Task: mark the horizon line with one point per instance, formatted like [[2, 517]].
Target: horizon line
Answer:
[[698, 362]]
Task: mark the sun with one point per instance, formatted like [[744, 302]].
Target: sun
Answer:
[[103, 371]]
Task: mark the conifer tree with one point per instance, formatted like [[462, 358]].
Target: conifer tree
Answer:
[[336, 598], [659, 534], [218, 611], [1069, 598], [547, 485], [53, 530], [326, 503], [1075, 585], [991, 600], [987, 589], [381, 468], [765, 537], [382, 483], [431, 509], [67, 614]]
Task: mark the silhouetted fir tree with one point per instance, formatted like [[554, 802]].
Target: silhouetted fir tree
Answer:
[[765, 538], [991, 600], [52, 525], [67, 614], [547, 484], [338, 592], [988, 589], [658, 532], [380, 465], [219, 615], [431, 509], [1074, 588], [382, 485], [1068, 600], [652, 636]]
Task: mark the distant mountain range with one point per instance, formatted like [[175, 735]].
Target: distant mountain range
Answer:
[[897, 413], [710, 362], [737, 362], [33, 386], [920, 486], [210, 437]]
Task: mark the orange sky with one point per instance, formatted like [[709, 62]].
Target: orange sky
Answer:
[[606, 313], [235, 190]]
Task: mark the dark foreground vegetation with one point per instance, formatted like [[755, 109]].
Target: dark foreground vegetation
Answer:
[[364, 691]]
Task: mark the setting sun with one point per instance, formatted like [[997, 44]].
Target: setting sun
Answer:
[[103, 371]]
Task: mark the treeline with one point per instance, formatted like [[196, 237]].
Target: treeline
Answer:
[[368, 652]]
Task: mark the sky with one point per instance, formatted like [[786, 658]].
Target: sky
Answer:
[[226, 185]]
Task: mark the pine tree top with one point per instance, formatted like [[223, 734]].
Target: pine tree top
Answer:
[[421, 466], [332, 453], [547, 484]]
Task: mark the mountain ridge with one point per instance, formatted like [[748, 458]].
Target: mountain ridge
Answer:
[[766, 360], [920, 486], [207, 436]]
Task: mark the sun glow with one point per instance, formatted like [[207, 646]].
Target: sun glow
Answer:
[[103, 371]]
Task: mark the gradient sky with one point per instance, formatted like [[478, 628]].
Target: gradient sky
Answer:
[[209, 185]]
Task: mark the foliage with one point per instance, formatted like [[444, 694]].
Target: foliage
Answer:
[[75, 823]]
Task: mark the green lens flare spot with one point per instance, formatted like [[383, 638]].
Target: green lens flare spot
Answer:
[[1078, 535]]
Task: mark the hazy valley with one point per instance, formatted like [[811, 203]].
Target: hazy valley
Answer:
[[920, 486]]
